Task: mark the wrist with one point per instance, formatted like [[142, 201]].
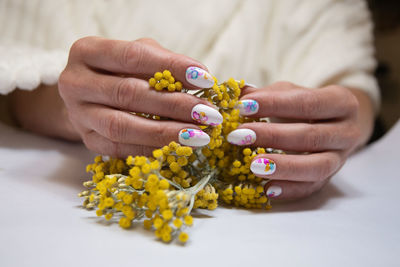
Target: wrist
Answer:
[[42, 111]]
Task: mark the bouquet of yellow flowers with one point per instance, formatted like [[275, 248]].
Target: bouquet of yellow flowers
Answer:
[[162, 190]]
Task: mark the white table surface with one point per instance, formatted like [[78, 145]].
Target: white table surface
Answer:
[[354, 221]]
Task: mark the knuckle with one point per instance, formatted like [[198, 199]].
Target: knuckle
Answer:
[[291, 167], [124, 92], [132, 55], [178, 102], [351, 100], [310, 104], [160, 133], [273, 136], [114, 127], [283, 84], [273, 104], [67, 83], [353, 137], [174, 61], [353, 103], [81, 45], [340, 90], [314, 139], [325, 168], [63, 82], [333, 88], [146, 40]]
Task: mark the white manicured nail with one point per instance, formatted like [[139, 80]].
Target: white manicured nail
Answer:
[[242, 137], [199, 77], [206, 115], [193, 137], [263, 166], [247, 107], [274, 191]]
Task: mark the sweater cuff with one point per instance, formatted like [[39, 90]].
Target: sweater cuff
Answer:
[[27, 67]]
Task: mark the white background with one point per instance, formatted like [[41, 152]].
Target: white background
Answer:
[[353, 221]]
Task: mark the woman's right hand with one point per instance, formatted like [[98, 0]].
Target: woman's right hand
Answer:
[[105, 79]]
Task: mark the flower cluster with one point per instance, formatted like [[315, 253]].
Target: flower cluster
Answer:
[[151, 189], [161, 190], [165, 80]]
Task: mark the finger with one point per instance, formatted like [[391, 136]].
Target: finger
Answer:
[[301, 137], [122, 127], [142, 58], [99, 144], [300, 168], [286, 190], [133, 94], [286, 100]]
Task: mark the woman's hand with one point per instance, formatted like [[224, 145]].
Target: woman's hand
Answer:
[[330, 123], [105, 79]]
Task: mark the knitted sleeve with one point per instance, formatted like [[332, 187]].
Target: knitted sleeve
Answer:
[[35, 37], [27, 67]]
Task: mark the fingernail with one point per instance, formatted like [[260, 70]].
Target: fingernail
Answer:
[[193, 137], [242, 137], [206, 115], [263, 166], [199, 77], [247, 107], [273, 191]]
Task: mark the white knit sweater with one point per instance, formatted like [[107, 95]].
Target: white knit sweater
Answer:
[[308, 42]]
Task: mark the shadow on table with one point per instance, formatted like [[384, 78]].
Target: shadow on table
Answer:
[[326, 198], [322, 199]]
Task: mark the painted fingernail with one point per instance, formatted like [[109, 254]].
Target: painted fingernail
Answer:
[[193, 137], [263, 166], [242, 137], [199, 77], [273, 191], [206, 115], [247, 107]]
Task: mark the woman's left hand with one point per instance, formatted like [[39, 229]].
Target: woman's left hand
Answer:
[[326, 126]]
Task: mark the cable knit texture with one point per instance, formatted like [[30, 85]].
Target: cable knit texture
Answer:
[[310, 43]]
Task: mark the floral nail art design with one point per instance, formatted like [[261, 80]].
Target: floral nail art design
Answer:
[[192, 73], [206, 115], [193, 137], [274, 191], [199, 77], [269, 164], [248, 107], [263, 166], [187, 133], [247, 140], [200, 117], [242, 137]]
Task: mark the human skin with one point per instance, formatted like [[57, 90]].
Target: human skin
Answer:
[[106, 78], [327, 126]]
